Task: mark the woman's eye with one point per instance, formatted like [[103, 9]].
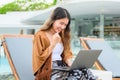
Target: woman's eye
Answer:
[[61, 23]]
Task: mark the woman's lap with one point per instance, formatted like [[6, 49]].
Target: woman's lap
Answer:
[[76, 74]]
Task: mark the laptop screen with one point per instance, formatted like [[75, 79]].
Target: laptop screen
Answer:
[[85, 59]]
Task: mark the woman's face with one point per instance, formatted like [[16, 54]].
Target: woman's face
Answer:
[[60, 25]]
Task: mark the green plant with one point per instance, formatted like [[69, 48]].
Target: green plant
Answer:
[[10, 7], [26, 5]]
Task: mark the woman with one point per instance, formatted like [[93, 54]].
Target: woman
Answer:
[[52, 44]]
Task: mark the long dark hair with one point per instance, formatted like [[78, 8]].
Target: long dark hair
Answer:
[[59, 13]]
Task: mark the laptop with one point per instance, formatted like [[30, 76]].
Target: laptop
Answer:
[[84, 59]]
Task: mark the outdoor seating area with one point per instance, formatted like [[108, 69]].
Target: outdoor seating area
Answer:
[[18, 49], [107, 60]]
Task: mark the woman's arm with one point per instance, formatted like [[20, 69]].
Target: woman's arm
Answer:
[[42, 49], [67, 56], [41, 52]]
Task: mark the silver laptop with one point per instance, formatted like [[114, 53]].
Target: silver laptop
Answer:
[[84, 59]]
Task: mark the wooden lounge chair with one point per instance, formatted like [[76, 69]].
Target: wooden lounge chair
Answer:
[[107, 59], [18, 49]]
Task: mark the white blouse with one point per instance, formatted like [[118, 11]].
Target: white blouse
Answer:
[[57, 51]]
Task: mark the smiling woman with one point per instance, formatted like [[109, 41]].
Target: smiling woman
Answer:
[[52, 36]]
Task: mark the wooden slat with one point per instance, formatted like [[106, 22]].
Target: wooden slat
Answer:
[[115, 78], [10, 61], [17, 35]]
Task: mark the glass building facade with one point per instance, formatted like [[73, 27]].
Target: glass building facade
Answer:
[[102, 26]]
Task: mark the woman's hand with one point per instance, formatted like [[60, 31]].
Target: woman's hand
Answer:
[[69, 63], [55, 39]]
